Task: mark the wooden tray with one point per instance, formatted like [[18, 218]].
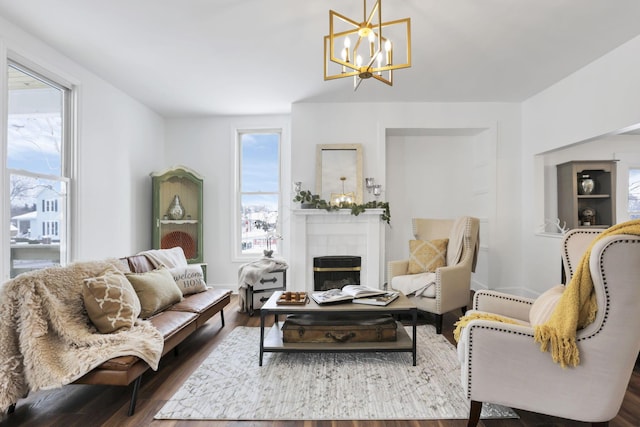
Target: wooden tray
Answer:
[[296, 298]]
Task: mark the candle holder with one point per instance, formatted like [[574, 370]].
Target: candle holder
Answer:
[[369, 183], [377, 190]]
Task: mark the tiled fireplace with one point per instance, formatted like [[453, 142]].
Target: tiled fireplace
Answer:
[[317, 233]]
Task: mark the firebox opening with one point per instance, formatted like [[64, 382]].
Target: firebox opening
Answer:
[[334, 272]]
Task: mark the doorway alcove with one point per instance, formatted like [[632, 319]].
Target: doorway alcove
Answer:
[[440, 173]]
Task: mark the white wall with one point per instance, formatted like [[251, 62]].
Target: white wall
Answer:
[[119, 142], [207, 145], [429, 177], [367, 124], [598, 99]]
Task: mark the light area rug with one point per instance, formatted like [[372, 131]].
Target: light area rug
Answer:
[[229, 385]]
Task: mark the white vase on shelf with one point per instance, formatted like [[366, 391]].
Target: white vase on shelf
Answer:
[[176, 211]]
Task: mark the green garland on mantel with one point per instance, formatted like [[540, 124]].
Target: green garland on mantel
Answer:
[[313, 201]]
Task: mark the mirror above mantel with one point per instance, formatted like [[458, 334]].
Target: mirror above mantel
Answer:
[[339, 172]]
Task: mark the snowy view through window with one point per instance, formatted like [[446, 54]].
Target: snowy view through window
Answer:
[[37, 186], [259, 192], [634, 193]]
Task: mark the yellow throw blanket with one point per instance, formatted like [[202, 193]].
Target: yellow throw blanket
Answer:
[[464, 321], [576, 308]]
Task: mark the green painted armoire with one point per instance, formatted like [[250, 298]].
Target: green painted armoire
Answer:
[[177, 211]]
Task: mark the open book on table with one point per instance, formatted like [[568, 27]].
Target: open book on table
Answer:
[[346, 294]]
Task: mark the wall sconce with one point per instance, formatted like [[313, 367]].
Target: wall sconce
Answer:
[[372, 187], [369, 183]]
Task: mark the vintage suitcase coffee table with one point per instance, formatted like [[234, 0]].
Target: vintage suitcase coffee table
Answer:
[[272, 341]]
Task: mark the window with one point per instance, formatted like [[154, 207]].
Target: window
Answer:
[[634, 193], [258, 192], [37, 168]]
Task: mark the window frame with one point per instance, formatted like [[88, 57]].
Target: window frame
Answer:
[[236, 238], [68, 166]]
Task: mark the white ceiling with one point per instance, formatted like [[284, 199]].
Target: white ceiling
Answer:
[[205, 57]]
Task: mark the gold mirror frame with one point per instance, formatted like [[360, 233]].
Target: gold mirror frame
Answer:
[[335, 161]]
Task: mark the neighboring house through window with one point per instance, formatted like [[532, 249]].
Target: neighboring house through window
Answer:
[[38, 169], [634, 193], [258, 193]]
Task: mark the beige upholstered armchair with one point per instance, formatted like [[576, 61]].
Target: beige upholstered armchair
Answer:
[[448, 287], [501, 363]]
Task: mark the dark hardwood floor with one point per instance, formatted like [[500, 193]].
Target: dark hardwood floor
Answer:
[[85, 405]]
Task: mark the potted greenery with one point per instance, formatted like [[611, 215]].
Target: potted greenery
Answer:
[[313, 201]]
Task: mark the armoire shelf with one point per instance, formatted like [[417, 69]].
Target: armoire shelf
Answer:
[[573, 205]]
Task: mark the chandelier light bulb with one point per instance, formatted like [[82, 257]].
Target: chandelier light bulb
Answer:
[[372, 43], [387, 48], [345, 58], [359, 61], [345, 51]]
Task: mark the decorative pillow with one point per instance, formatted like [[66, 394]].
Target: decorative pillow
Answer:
[[544, 305], [111, 301], [427, 255], [170, 258], [156, 290], [189, 279]]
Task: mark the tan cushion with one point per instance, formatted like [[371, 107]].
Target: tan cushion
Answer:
[[189, 279], [156, 290], [121, 363], [427, 255], [544, 305], [111, 301]]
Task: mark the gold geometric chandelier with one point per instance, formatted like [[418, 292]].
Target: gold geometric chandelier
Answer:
[[359, 48]]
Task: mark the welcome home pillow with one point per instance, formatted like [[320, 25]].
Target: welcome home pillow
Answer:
[[156, 290], [110, 301], [189, 279], [427, 255]]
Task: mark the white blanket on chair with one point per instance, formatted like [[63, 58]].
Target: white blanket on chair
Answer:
[[421, 284], [250, 273]]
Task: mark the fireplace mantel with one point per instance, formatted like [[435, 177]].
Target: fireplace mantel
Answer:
[[317, 232]]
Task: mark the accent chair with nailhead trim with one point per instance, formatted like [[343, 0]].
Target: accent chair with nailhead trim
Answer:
[[502, 364]]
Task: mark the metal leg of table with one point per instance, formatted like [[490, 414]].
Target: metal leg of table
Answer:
[[415, 336], [262, 316]]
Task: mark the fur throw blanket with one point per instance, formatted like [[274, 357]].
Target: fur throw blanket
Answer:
[[250, 273], [46, 337]]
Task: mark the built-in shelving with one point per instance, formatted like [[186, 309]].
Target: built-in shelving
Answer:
[[575, 207]]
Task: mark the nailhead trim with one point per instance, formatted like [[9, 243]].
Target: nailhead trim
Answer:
[[565, 249], [604, 320], [491, 328], [506, 298]]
